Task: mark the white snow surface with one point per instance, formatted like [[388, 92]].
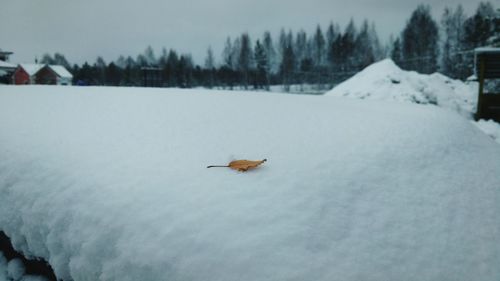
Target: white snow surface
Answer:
[[4, 64], [111, 184], [15, 269], [384, 80], [490, 127]]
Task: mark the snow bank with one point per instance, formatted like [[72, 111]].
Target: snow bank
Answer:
[[490, 127], [111, 184], [384, 80], [14, 271]]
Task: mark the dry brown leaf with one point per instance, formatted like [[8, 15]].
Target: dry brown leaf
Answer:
[[242, 165]]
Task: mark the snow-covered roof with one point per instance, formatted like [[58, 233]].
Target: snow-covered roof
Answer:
[[4, 64], [31, 69], [61, 71]]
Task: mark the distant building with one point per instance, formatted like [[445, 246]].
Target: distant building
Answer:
[[6, 69], [26, 73], [151, 77], [54, 75], [487, 67], [42, 74], [4, 56]]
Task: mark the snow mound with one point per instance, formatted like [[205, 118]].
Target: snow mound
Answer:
[[384, 80], [111, 184], [14, 271], [490, 127]]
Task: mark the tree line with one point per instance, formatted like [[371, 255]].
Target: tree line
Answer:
[[322, 58], [448, 47]]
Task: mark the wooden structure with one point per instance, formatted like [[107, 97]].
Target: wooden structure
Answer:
[[45, 76], [41, 74], [26, 74], [151, 77], [487, 66], [53, 75]]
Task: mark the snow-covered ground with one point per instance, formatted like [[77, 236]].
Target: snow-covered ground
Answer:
[[490, 127], [111, 184]]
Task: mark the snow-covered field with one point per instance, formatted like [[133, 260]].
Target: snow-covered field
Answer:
[[111, 184]]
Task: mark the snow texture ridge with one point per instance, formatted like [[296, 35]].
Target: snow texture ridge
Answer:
[[110, 184], [14, 271], [384, 80]]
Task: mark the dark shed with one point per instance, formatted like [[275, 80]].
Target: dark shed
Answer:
[[487, 66]]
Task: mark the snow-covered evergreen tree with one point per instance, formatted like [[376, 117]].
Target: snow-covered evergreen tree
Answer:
[[210, 68], [100, 69], [319, 47], [245, 59], [47, 59], [378, 51], [149, 55], [347, 47], [300, 45], [287, 67], [331, 33], [60, 59], [480, 31], [282, 44], [227, 54], [121, 62], [452, 42], [262, 67], [270, 50], [396, 52], [170, 73], [210, 60], [162, 61], [420, 41], [364, 53]]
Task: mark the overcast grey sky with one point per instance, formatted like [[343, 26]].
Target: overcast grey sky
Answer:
[[84, 29]]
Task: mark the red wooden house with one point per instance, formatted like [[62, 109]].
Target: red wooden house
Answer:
[[26, 74], [41, 74], [53, 75]]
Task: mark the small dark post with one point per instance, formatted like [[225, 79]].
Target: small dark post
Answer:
[[479, 111]]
